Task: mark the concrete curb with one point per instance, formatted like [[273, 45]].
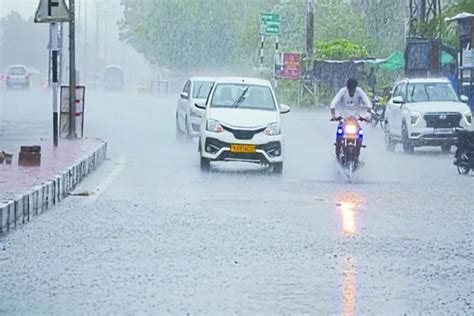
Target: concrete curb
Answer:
[[24, 207]]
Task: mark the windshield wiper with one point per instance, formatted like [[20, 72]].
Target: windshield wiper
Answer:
[[241, 99]]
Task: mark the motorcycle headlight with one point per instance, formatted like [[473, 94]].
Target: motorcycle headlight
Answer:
[[468, 117], [272, 129], [214, 126], [350, 129], [414, 117]]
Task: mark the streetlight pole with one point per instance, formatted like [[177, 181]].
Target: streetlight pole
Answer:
[[72, 73]]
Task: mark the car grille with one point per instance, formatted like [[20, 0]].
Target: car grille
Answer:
[[442, 120], [244, 134]]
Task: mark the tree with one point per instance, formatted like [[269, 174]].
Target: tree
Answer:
[[24, 42]]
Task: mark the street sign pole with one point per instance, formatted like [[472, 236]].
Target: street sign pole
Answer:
[[275, 81], [54, 79], [262, 43], [53, 12], [72, 73]]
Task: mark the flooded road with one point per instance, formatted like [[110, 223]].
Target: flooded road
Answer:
[[157, 236]]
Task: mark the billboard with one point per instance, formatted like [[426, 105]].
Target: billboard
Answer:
[[288, 66]]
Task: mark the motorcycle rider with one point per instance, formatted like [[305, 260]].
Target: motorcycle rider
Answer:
[[350, 101]]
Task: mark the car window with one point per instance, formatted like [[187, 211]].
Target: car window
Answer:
[[187, 87], [425, 92], [17, 71], [201, 89], [243, 96], [400, 91]]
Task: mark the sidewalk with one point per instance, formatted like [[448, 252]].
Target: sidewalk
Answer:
[[29, 191]]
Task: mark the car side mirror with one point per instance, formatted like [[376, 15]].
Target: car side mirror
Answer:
[[284, 109], [200, 106], [464, 98], [398, 100], [184, 95]]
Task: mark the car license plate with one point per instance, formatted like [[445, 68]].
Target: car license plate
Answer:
[[247, 149], [443, 131]]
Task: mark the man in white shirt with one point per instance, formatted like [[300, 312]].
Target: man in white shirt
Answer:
[[350, 101]]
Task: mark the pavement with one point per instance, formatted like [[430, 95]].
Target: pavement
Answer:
[[159, 237], [26, 192]]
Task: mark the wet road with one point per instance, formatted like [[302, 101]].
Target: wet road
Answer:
[[157, 236]]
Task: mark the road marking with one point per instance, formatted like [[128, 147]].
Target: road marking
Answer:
[[105, 183]]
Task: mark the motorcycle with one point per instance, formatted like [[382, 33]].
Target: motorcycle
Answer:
[[464, 157], [348, 143], [377, 113]]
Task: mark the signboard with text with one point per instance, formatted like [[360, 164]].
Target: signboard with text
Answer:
[[269, 24], [50, 11], [288, 66]]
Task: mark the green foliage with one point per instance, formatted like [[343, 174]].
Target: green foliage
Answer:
[[339, 49], [438, 27]]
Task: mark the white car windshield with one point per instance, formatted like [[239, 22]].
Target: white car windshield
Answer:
[[17, 71], [425, 92], [243, 96], [201, 89]]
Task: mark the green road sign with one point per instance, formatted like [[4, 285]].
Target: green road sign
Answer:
[[269, 24]]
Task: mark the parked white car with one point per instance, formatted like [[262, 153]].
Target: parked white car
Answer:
[[17, 77], [188, 117], [425, 112], [242, 122]]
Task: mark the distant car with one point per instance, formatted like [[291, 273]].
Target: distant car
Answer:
[[425, 112], [188, 117], [17, 77], [241, 122]]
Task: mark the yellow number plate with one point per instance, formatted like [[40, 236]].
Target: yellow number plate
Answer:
[[247, 149]]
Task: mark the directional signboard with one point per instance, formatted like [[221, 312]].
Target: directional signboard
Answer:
[[50, 11], [270, 24]]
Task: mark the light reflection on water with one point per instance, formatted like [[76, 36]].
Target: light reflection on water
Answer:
[[348, 207]]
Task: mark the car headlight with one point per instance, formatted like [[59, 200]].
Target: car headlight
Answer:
[[194, 113], [414, 117], [214, 126], [272, 129], [468, 117]]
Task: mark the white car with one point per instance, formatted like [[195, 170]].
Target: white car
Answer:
[[17, 77], [241, 122], [425, 112], [188, 117]]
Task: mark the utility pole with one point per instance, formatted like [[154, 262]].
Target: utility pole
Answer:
[[72, 73], [310, 38], [85, 44]]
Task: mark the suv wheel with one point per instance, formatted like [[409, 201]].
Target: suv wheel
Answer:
[[408, 147], [179, 134], [389, 142]]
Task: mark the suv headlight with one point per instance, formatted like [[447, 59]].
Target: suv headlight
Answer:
[[214, 126], [414, 117], [272, 129], [468, 117]]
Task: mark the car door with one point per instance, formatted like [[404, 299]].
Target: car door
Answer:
[[182, 105], [398, 110], [393, 110]]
